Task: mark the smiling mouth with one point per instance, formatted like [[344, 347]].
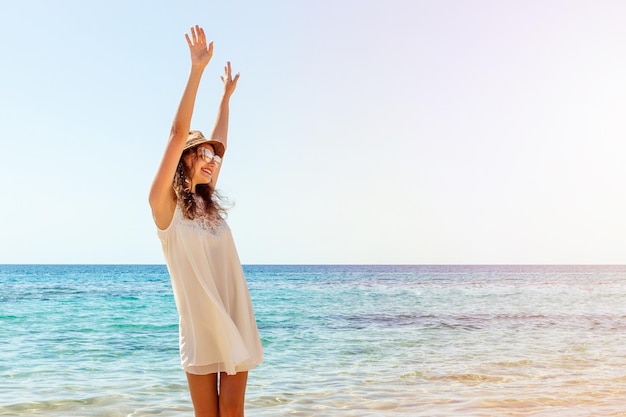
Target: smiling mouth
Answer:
[[207, 171]]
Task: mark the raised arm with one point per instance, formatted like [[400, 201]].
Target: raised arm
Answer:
[[220, 130], [162, 197]]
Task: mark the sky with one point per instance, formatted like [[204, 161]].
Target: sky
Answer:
[[361, 132]]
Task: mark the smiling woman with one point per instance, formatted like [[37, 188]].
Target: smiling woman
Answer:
[[219, 340], [196, 176]]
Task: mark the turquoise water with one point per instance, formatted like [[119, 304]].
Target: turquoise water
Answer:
[[101, 340]]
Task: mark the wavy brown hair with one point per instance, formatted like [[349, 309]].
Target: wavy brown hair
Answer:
[[213, 201]]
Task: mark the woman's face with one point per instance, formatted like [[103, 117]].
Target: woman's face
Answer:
[[203, 165]]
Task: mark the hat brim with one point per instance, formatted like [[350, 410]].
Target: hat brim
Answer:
[[218, 146]]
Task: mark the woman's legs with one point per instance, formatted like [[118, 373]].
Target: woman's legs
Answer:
[[232, 394], [203, 390], [205, 399]]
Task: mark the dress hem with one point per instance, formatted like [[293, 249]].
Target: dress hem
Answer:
[[219, 367]]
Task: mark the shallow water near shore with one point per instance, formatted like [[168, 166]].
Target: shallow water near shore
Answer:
[[101, 340]]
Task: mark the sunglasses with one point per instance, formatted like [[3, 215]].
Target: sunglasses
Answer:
[[208, 156]]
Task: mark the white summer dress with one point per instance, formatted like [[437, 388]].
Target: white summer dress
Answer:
[[218, 331]]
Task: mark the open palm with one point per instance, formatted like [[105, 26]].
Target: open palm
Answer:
[[230, 83], [200, 53]]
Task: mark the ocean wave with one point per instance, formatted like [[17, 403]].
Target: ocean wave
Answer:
[[471, 322]]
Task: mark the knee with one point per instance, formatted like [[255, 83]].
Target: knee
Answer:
[[230, 407], [198, 412]]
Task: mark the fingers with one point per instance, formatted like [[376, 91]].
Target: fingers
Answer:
[[201, 51], [227, 79], [197, 36], [228, 73]]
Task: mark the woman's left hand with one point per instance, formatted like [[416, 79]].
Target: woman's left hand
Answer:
[[230, 83]]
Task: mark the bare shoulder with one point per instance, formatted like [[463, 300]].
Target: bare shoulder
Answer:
[[163, 211]]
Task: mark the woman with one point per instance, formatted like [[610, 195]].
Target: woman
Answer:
[[219, 340]]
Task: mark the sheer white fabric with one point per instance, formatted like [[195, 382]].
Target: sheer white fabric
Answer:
[[218, 331]]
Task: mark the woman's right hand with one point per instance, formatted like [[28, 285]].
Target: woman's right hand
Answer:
[[201, 54]]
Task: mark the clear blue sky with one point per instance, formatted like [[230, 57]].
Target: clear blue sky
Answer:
[[361, 131]]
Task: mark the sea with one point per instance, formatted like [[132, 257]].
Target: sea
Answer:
[[339, 340]]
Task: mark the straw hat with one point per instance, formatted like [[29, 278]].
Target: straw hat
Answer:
[[196, 138]]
